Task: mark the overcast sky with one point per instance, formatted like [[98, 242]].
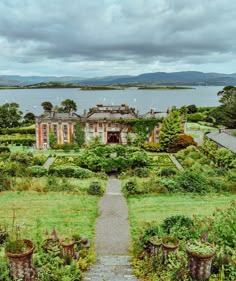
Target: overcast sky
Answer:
[[115, 37]]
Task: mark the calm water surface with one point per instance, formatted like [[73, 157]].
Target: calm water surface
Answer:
[[143, 100]]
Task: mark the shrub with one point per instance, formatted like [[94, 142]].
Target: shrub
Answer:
[[70, 171], [180, 142], [131, 188], [21, 158], [192, 181], [38, 171], [142, 172], [176, 221], [5, 182], [4, 149], [195, 117], [167, 171], [39, 160], [95, 188], [152, 146]]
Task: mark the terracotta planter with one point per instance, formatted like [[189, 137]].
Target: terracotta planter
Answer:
[[51, 245], [199, 264], [21, 264], [169, 248], [154, 245], [68, 249]]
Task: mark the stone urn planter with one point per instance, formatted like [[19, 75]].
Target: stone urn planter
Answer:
[[170, 244], [154, 245], [19, 253], [200, 255]]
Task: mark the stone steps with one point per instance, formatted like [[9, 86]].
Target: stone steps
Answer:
[[111, 268]]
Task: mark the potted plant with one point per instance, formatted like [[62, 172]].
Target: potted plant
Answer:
[[155, 245], [200, 255], [68, 249], [19, 253], [170, 244]]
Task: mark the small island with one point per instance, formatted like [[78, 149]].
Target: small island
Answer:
[[100, 88], [153, 87]]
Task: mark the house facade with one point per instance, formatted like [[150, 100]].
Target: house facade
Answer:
[[107, 122]]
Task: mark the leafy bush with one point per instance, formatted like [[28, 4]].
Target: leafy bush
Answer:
[[70, 171], [180, 142], [142, 172], [4, 149], [131, 187], [21, 158], [167, 171], [38, 171], [95, 188], [176, 221], [152, 146], [5, 182], [39, 160], [192, 181]]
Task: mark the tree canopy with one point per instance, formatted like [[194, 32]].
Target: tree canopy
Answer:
[[47, 105], [68, 105], [10, 115], [227, 109], [171, 128]]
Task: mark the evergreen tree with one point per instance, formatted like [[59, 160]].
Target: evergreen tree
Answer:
[[171, 128], [79, 134]]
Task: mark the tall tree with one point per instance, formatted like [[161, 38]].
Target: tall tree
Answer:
[[69, 105], [47, 105], [29, 118], [10, 115], [228, 106], [171, 128]]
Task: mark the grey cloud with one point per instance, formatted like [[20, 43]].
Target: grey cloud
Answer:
[[118, 30]]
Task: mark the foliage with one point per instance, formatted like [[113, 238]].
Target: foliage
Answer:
[[4, 149], [38, 171], [21, 158], [10, 115], [171, 128], [20, 130], [52, 139], [79, 134], [177, 221], [180, 142], [191, 181], [167, 172], [228, 106], [95, 188], [218, 229], [68, 105], [152, 146], [196, 117], [131, 188], [141, 172], [47, 105], [70, 171]]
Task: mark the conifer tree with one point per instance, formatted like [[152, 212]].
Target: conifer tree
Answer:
[[171, 128]]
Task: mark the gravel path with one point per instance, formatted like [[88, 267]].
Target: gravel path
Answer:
[[112, 238], [112, 227]]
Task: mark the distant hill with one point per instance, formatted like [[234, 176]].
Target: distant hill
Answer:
[[192, 78]]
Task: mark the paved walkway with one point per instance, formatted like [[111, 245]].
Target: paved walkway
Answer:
[[112, 238], [49, 162]]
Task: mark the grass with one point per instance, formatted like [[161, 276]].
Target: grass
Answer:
[[67, 212], [155, 208], [199, 127]]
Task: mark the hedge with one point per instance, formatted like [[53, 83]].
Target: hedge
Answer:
[[70, 171]]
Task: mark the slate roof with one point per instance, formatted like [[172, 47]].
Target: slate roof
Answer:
[[223, 139], [111, 112]]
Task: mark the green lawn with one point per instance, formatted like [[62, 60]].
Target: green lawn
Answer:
[[67, 212], [155, 208]]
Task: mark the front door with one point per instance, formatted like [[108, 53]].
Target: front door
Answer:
[[113, 137]]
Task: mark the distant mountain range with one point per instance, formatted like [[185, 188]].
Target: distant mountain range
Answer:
[[193, 78]]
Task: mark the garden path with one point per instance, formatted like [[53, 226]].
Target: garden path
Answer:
[[49, 162], [112, 238]]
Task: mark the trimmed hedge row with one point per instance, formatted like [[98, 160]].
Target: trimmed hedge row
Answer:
[[70, 171], [10, 131], [18, 141]]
